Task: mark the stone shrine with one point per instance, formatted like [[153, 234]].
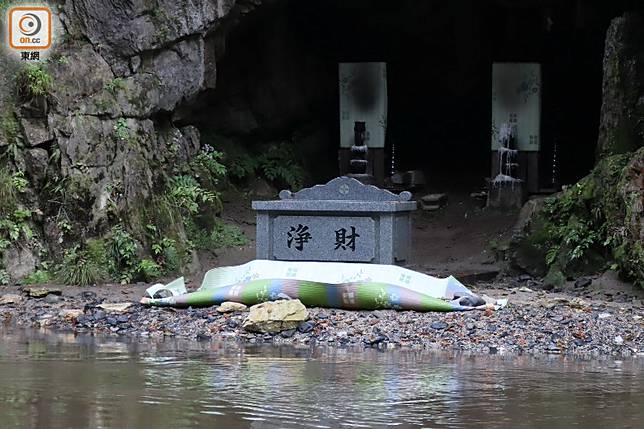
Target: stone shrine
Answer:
[[343, 220]]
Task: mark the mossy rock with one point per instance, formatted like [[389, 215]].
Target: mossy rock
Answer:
[[594, 224], [554, 279]]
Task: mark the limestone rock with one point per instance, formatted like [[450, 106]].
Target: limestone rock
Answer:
[[36, 163], [11, 299], [136, 27], [42, 292], [276, 316], [19, 262], [84, 74], [261, 188], [71, 314], [621, 128], [522, 253], [36, 131], [230, 307], [116, 307]]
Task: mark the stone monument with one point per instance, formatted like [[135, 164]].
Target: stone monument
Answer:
[[343, 220]]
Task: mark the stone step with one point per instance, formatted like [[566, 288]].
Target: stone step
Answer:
[[434, 198], [433, 202]]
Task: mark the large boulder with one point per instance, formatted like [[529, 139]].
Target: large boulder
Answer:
[[276, 316], [525, 254], [621, 126], [19, 262]]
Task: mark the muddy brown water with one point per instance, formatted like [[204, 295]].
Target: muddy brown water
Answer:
[[66, 381]]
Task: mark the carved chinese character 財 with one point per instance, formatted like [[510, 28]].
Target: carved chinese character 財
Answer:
[[344, 240]]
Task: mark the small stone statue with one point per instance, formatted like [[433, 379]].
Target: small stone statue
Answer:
[[358, 165]]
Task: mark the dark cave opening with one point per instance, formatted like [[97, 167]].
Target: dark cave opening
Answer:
[[278, 80]]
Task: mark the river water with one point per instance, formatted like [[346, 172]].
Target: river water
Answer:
[[67, 381]]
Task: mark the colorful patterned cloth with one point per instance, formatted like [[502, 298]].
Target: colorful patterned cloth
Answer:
[[253, 283]]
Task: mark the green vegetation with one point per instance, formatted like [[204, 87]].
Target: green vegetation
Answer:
[[11, 185], [114, 85], [221, 235], [34, 81], [584, 229], [121, 129], [58, 59], [80, 267], [278, 164], [40, 276], [11, 129], [185, 193], [13, 216], [166, 253]]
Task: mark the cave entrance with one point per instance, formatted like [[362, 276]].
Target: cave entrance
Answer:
[[278, 80]]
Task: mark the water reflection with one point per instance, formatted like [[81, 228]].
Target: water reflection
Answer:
[[60, 381]]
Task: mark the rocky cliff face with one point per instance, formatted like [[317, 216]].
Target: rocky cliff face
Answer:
[[93, 126], [621, 128]]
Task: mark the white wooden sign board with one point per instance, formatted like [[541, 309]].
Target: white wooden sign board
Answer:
[[363, 97], [516, 100]]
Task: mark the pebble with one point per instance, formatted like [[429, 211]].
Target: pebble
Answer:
[[287, 334], [583, 282], [203, 337], [551, 324], [438, 325], [88, 295], [52, 299], [305, 327]]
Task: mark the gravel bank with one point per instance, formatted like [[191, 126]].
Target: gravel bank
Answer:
[[533, 323]]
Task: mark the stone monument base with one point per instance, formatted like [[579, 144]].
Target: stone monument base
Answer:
[[506, 195]]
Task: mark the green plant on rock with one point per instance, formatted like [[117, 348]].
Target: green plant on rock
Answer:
[[4, 277], [280, 164], [9, 191], [184, 192], [123, 251], [227, 235], [18, 181], [34, 81], [209, 161], [40, 276], [114, 85], [167, 254], [221, 235], [148, 270], [121, 129], [11, 130], [15, 226], [277, 164], [80, 267], [582, 226], [242, 166], [14, 218]]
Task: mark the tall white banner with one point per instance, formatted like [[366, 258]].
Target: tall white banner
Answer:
[[363, 97]]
